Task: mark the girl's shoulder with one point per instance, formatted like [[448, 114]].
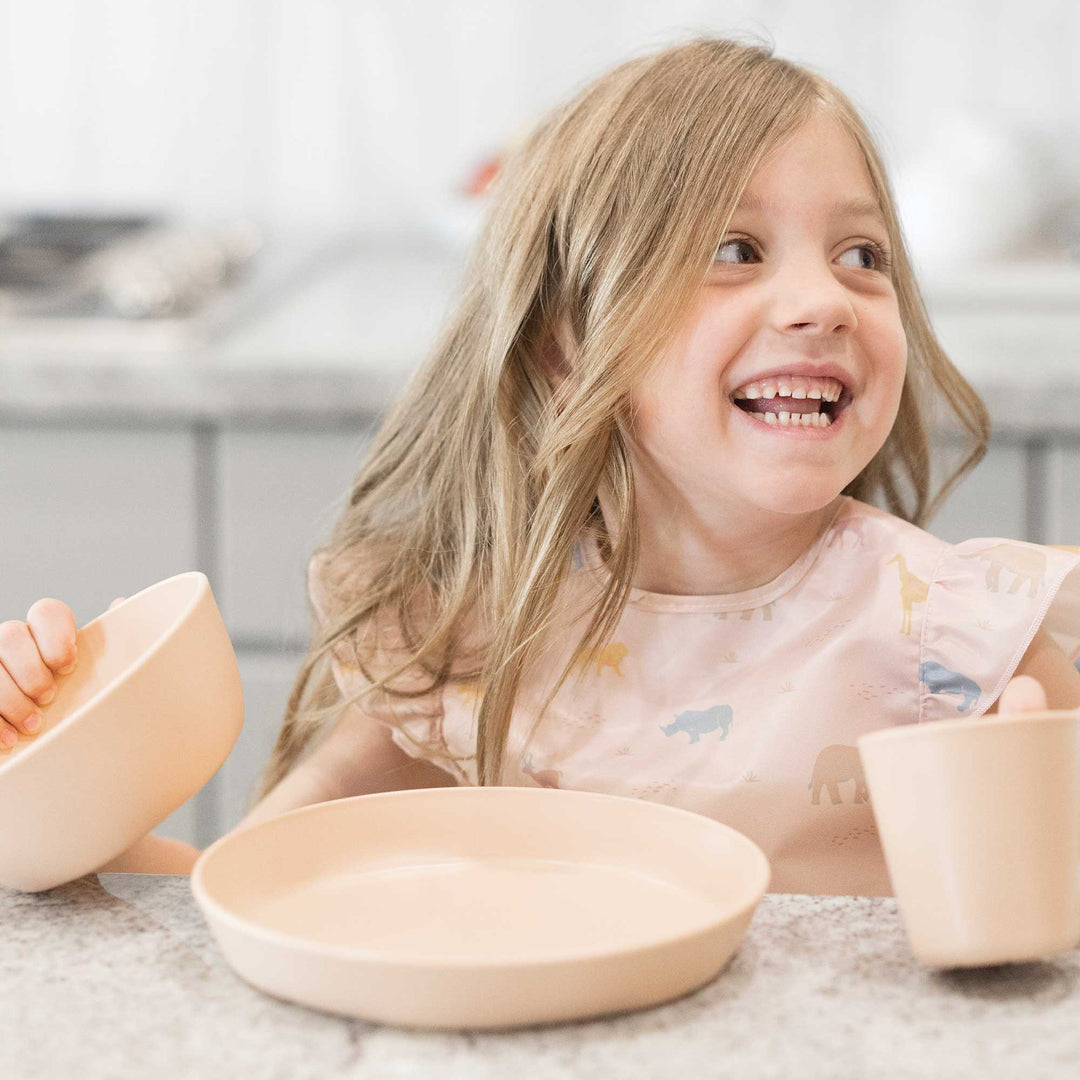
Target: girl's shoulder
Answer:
[[974, 564], [867, 551], [971, 608], [861, 527], [967, 609]]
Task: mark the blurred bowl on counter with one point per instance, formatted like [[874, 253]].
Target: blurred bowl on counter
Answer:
[[980, 188], [133, 266], [169, 269], [87, 283]]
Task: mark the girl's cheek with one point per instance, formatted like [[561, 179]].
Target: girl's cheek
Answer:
[[898, 346], [888, 347]]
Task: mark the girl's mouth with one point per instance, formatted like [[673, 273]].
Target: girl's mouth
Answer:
[[806, 417]]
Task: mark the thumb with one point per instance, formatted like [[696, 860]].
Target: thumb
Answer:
[[118, 600], [1022, 694]]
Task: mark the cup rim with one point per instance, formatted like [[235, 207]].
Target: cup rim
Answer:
[[928, 728]]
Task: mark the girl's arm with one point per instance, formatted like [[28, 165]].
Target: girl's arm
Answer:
[[1045, 662], [153, 855], [302, 786], [357, 757]]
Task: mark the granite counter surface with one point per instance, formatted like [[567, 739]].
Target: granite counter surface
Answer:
[[117, 975]]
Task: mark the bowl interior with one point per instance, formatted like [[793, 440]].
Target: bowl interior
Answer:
[[112, 646]]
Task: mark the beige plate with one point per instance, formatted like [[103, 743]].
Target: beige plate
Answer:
[[480, 907]]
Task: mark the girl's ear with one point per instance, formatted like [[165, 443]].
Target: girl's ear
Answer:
[[553, 358]]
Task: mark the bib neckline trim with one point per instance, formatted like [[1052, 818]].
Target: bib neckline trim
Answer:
[[737, 601]]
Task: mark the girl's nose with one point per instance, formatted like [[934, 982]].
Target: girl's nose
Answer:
[[814, 303]]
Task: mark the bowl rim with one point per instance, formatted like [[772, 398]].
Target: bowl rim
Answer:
[[278, 939], [984, 722], [202, 586]]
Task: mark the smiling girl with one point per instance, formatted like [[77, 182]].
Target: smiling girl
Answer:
[[650, 518]]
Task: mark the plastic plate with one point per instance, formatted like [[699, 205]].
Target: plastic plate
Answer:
[[480, 907]]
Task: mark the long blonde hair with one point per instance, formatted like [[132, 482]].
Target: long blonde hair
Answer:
[[464, 514]]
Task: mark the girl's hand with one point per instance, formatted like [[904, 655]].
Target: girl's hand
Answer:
[[1022, 694], [1044, 679], [30, 653]]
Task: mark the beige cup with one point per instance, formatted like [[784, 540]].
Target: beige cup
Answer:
[[979, 822]]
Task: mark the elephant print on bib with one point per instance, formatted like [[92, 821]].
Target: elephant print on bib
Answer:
[[938, 679], [1027, 564], [834, 766]]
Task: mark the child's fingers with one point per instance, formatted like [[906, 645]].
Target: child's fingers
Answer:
[[27, 675], [16, 707], [52, 627], [1022, 694], [30, 652]]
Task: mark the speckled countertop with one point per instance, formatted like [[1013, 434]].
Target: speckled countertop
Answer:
[[118, 976]]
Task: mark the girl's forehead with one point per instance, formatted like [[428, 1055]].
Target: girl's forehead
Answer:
[[838, 194], [864, 205], [821, 151]]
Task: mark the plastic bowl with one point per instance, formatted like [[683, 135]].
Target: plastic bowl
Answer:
[[150, 713]]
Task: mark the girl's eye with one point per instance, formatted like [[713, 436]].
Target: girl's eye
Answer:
[[744, 244], [881, 262]]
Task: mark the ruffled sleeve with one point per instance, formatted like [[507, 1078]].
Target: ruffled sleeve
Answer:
[[985, 601], [415, 723]]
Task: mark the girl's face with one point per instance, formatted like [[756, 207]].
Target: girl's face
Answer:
[[797, 301]]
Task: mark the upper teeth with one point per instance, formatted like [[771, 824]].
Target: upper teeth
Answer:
[[796, 386]]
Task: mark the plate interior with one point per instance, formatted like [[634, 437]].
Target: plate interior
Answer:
[[498, 909]]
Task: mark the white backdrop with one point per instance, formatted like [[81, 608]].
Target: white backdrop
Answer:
[[347, 113]]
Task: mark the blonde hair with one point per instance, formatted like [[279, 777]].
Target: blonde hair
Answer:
[[484, 474]]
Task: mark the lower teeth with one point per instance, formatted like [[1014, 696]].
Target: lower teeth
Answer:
[[783, 419]]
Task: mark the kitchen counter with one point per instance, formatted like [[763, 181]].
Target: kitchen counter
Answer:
[[117, 975], [339, 343], [343, 339]]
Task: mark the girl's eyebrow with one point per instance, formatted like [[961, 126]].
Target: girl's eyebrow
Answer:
[[862, 207]]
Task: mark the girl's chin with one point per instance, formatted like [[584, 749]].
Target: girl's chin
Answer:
[[790, 492], [797, 503]]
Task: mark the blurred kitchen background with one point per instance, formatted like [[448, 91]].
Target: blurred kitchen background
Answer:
[[230, 229]]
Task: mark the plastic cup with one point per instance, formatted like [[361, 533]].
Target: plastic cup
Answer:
[[979, 822]]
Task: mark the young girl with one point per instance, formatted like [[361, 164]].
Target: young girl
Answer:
[[620, 532]]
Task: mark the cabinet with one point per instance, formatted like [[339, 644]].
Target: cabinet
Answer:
[[992, 500]]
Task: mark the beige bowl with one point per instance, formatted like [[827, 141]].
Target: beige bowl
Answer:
[[149, 714], [480, 907]]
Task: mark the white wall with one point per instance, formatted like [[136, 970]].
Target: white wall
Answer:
[[366, 112]]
